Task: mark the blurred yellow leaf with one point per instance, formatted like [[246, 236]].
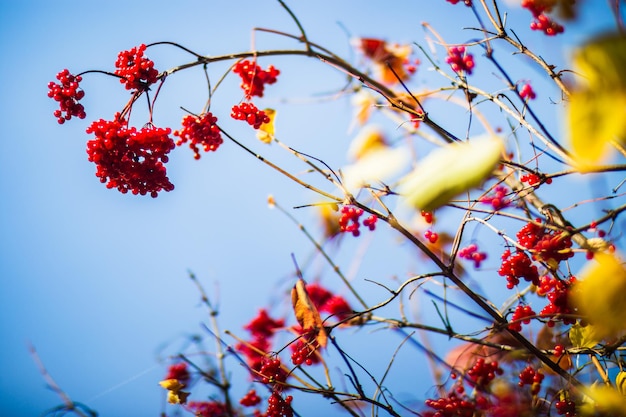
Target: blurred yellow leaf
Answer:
[[606, 400], [370, 139], [597, 108], [306, 312], [599, 295], [583, 337], [266, 132], [175, 395], [620, 382], [449, 171]]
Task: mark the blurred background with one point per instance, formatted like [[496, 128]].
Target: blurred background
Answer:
[[98, 282]]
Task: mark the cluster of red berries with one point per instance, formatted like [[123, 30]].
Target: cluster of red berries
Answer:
[[517, 265], [262, 328], [179, 371], [497, 198], [68, 94], [254, 78], [566, 408], [559, 350], [250, 399], [209, 408], [449, 406], [471, 253], [482, 373], [459, 60], [303, 350], [468, 3], [129, 159], [549, 246], [279, 407], [527, 92], [541, 21], [557, 293], [250, 113], [533, 180], [136, 71], [432, 237], [272, 372], [428, 216], [529, 376], [327, 302], [200, 131], [349, 220], [521, 315]]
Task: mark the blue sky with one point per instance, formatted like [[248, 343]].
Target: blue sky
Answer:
[[97, 281]]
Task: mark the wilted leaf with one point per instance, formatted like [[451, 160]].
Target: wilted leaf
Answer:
[[447, 172], [266, 132], [306, 312], [175, 395], [583, 337], [599, 295], [597, 108], [620, 382]]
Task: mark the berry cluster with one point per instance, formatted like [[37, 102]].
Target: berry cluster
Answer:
[[468, 3], [432, 237], [209, 408], [450, 406], [566, 408], [534, 180], [517, 265], [529, 376], [482, 373], [129, 159], [200, 131], [471, 253], [557, 293], [527, 92], [68, 94], [250, 399], [497, 198], [326, 302], [250, 113], [179, 372], [521, 315], [541, 21], [136, 71], [549, 246], [254, 78], [272, 372], [428, 216], [279, 407], [459, 60], [303, 351], [349, 220], [262, 328]]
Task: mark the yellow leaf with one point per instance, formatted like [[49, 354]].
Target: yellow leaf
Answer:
[[449, 171], [370, 139], [266, 132], [583, 337], [620, 382], [597, 108], [175, 395], [598, 295], [306, 313], [604, 399]]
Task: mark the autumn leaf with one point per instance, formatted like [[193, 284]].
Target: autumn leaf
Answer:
[[174, 387], [266, 131], [598, 295], [449, 171], [597, 107], [306, 312], [583, 337]]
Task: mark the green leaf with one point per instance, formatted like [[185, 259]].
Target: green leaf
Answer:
[[450, 171], [583, 337]]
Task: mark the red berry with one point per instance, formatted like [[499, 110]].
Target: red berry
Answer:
[[254, 78], [200, 131], [135, 70], [250, 113], [68, 94]]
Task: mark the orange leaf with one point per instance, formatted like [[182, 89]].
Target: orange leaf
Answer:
[[306, 313]]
